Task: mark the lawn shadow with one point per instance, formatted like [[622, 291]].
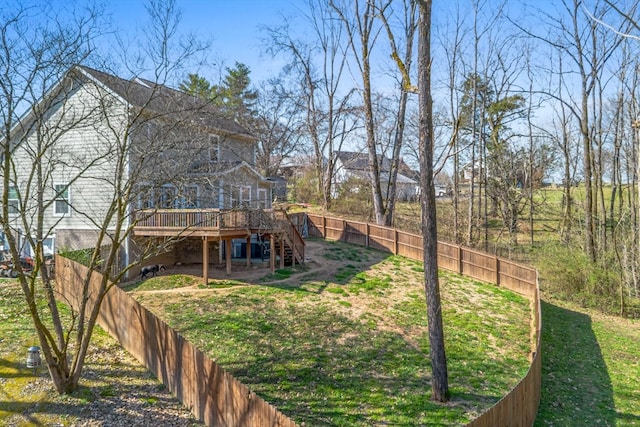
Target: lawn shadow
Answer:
[[331, 262], [576, 386]]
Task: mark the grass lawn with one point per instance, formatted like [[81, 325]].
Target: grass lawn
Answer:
[[345, 342], [112, 381], [590, 368]]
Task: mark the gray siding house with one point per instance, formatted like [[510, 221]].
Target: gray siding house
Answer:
[[350, 164], [166, 152]]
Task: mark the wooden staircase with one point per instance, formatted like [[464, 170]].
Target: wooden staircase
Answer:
[[292, 241]]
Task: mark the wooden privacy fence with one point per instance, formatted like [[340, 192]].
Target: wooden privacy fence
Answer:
[[520, 406], [214, 396]]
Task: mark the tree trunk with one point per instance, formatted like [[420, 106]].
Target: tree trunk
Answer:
[[440, 381]]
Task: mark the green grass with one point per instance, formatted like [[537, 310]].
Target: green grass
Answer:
[[354, 350], [28, 399], [590, 368], [167, 282]]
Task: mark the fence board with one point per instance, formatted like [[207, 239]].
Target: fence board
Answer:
[[214, 396], [520, 406]]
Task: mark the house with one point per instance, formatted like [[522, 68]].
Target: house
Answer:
[[182, 170], [349, 164]]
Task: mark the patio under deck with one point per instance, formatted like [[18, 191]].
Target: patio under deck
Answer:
[[224, 225]]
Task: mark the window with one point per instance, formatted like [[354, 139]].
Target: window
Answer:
[[240, 196], [146, 201], [48, 246], [262, 198], [214, 149], [61, 205], [167, 196], [245, 195], [144, 198], [14, 202], [189, 198]]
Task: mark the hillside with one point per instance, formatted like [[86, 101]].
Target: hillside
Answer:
[[344, 341]]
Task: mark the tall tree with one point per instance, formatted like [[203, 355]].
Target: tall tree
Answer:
[[359, 22], [197, 86], [403, 61], [576, 35], [277, 125], [235, 95], [36, 79], [317, 67], [440, 378]]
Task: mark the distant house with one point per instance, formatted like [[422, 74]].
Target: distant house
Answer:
[[185, 155], [349, 164]]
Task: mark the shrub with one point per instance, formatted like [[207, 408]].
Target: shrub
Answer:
[[568, 273]]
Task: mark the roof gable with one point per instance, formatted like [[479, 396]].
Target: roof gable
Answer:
[[166, 102], [360, 162]]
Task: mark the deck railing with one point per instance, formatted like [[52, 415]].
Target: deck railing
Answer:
[[165, 222], [210, 219]]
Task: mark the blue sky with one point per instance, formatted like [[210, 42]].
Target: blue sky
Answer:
[[233, 26]]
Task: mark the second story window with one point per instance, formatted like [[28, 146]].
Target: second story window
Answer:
[[14, 202], [62, 203], [167, 197], [214, 149]]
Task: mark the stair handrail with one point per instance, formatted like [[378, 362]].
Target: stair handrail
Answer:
[[293, 235]]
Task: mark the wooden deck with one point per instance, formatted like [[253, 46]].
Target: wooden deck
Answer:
[[206, 222], [223, 225]]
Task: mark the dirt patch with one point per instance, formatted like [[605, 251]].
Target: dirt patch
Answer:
[[322, 262]]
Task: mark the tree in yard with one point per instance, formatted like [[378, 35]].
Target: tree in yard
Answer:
[[277, 124], [235, 95], [439, 380], [197, 86], [41, 163], [316, 70], [360, 20], [403, 62], [361, 35]]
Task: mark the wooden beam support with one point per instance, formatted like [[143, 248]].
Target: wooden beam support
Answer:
[[272, 252], [249, 250], [281, 251], [205, 260], [227, 242]]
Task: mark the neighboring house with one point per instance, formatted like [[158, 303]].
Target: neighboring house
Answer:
[[181, 154], [349, 164]]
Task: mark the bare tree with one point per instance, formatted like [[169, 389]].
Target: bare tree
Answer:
[[278, 125], [440, 381], [588, 48], [42, 162], [359, 23], [317, 68], [403, 61]]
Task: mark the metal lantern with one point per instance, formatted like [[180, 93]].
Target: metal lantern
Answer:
[[33, 358]]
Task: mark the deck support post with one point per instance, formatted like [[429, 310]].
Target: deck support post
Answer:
[[272, 252], [227, 242], [205, 260], [249, 250], [281, 251]]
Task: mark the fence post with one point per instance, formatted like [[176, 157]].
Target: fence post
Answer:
[[395, 241], [460, 265], [324, 227], [366, 237], [497, 271], [344, 230]]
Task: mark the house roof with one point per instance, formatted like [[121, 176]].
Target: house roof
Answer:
[[357, 161], [165, 101]]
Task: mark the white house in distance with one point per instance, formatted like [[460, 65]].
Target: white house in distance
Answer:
[[102, 137], [350, 164]]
